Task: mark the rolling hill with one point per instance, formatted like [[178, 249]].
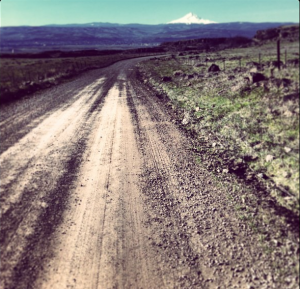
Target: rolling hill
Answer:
[[117, 36]]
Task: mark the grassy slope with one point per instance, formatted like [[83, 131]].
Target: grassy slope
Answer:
[[21, 76], [248, 129]]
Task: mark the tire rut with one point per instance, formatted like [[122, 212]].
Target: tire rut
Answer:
[[34, 195], [201, 241], [114, 245]]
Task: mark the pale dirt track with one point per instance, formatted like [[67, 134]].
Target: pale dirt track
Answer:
[[99, 190]]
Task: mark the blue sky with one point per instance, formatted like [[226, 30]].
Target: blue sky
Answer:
[[41, 12]]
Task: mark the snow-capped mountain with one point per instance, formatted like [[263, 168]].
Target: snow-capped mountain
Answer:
[[191, 18]]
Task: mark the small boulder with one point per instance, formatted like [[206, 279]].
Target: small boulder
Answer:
[[292, 96], [256, 77], [214, 68], [275, 63], [166, 78]]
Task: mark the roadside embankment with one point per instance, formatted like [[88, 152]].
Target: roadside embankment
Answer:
[[244, 114]]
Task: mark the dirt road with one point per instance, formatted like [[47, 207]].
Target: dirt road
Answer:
[[99, 190]]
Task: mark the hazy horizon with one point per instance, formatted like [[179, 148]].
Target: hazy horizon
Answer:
[[47, 12]]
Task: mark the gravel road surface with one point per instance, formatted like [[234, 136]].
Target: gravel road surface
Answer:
[[99, 189]]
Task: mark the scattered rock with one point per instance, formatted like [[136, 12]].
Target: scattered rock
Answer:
[[287, 149], [288, 113], [292, 96], [285, 82], [269, 158], [256, 77], [186, 118], [177, 73], [189, 76], [214, 68], [253, 69], [286, 175], [166, 78], [238, 161]]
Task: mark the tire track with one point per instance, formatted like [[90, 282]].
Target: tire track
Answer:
[[111, 252], [195, 229], [18, 119], [33, 193], [160, 185], [42, 157]]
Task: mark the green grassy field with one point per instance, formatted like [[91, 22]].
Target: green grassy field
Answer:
[[248, 128]]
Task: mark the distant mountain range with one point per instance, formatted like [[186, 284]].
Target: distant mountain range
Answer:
[[119, 36]]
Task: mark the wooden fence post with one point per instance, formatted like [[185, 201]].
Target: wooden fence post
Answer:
[[278, 54]]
